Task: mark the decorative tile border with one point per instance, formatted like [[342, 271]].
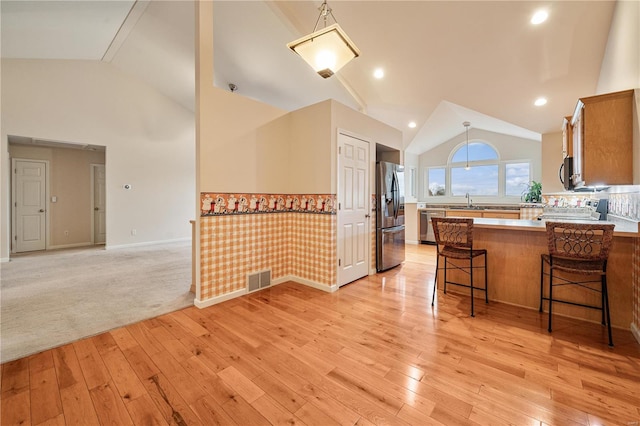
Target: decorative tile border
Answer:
[[216, 204]]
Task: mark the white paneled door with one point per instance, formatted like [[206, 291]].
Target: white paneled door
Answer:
[[30, 205], [99, 204], [353, 209]]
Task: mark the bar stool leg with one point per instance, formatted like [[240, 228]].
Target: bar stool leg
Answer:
[[602, 302], [550, 294], [486, 280], [445, 276], [606, 305], [541, 282], [435, 281], [471, 278]]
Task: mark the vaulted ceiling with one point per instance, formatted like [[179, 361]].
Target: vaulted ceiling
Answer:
[[445, 62]]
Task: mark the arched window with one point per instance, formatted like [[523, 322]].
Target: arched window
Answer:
[[481, 177], [485, 176], [478, 151]]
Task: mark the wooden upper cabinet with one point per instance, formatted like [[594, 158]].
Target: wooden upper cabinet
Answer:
[[603, 140], [567, 137]]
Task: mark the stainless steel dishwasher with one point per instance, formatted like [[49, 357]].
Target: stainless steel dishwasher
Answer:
[[426, 229]]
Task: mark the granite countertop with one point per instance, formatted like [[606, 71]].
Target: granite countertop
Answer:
[[623, 228], [479, 207]]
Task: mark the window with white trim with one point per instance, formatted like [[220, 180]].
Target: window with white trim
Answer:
[[478, 172]]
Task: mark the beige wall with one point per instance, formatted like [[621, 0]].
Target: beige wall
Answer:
[[551, 162], [229, 141], [70, 183], [620, 69], [311, 150], [149, 140], [238, 140]]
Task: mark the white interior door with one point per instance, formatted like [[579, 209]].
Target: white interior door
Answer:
[[353, 209], [99, 204], [30, 205]]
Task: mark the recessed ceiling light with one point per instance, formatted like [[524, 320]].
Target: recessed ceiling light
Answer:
[[378, 73], [540, 101], [539, 17], [412, 124]]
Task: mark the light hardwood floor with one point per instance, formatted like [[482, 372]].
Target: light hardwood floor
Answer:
[[374, 352]]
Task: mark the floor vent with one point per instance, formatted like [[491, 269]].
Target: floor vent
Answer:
[[258, 280]]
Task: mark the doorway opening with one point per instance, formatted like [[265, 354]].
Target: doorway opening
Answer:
[[58, 196]]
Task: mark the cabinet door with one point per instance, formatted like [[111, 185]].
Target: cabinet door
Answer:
[[464, 213], [607, 139], [567, 137], [501, 215], [578, 130]]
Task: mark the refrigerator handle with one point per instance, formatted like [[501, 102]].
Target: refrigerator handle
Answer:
[[396, 195]]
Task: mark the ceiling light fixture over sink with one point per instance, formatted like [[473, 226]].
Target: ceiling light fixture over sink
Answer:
[[328, 49]]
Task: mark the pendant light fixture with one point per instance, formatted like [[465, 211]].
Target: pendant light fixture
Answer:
[[466, 125], [328, 49]]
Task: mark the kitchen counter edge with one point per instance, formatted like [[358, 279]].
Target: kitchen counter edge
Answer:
[[622, 229]]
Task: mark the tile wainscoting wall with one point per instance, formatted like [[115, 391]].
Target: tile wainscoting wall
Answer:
[[294, 239]]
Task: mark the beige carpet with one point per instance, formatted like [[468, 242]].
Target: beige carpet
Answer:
[[51, 298]]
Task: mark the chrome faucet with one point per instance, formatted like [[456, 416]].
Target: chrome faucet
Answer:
[[468, 200]]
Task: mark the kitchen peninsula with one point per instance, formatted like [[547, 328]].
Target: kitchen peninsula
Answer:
[[514, 248]]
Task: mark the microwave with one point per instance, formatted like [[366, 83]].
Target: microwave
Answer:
[[565, 173]]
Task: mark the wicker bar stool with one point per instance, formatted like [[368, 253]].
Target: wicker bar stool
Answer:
[[454, 240], [577, 249]]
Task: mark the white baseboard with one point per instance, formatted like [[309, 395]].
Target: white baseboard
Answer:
[[4, 259], [215, 300], [414, 242], [308, 283], [635, 331], [66, 246], [146, 243]]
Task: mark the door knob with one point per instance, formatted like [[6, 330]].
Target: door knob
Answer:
[[41, 210], [367, 216], [96, 208]]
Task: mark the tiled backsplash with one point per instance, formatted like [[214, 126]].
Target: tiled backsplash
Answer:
[[625, 201], [235, 242]]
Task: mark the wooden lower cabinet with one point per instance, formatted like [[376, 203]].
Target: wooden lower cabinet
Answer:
[[484, 214], [464, 213], [502, 215]]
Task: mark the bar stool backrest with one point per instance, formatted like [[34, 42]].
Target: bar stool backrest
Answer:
[[453, 231], [583, 241]]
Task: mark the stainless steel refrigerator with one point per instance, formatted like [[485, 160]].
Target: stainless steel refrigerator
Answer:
[[389, 215]]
